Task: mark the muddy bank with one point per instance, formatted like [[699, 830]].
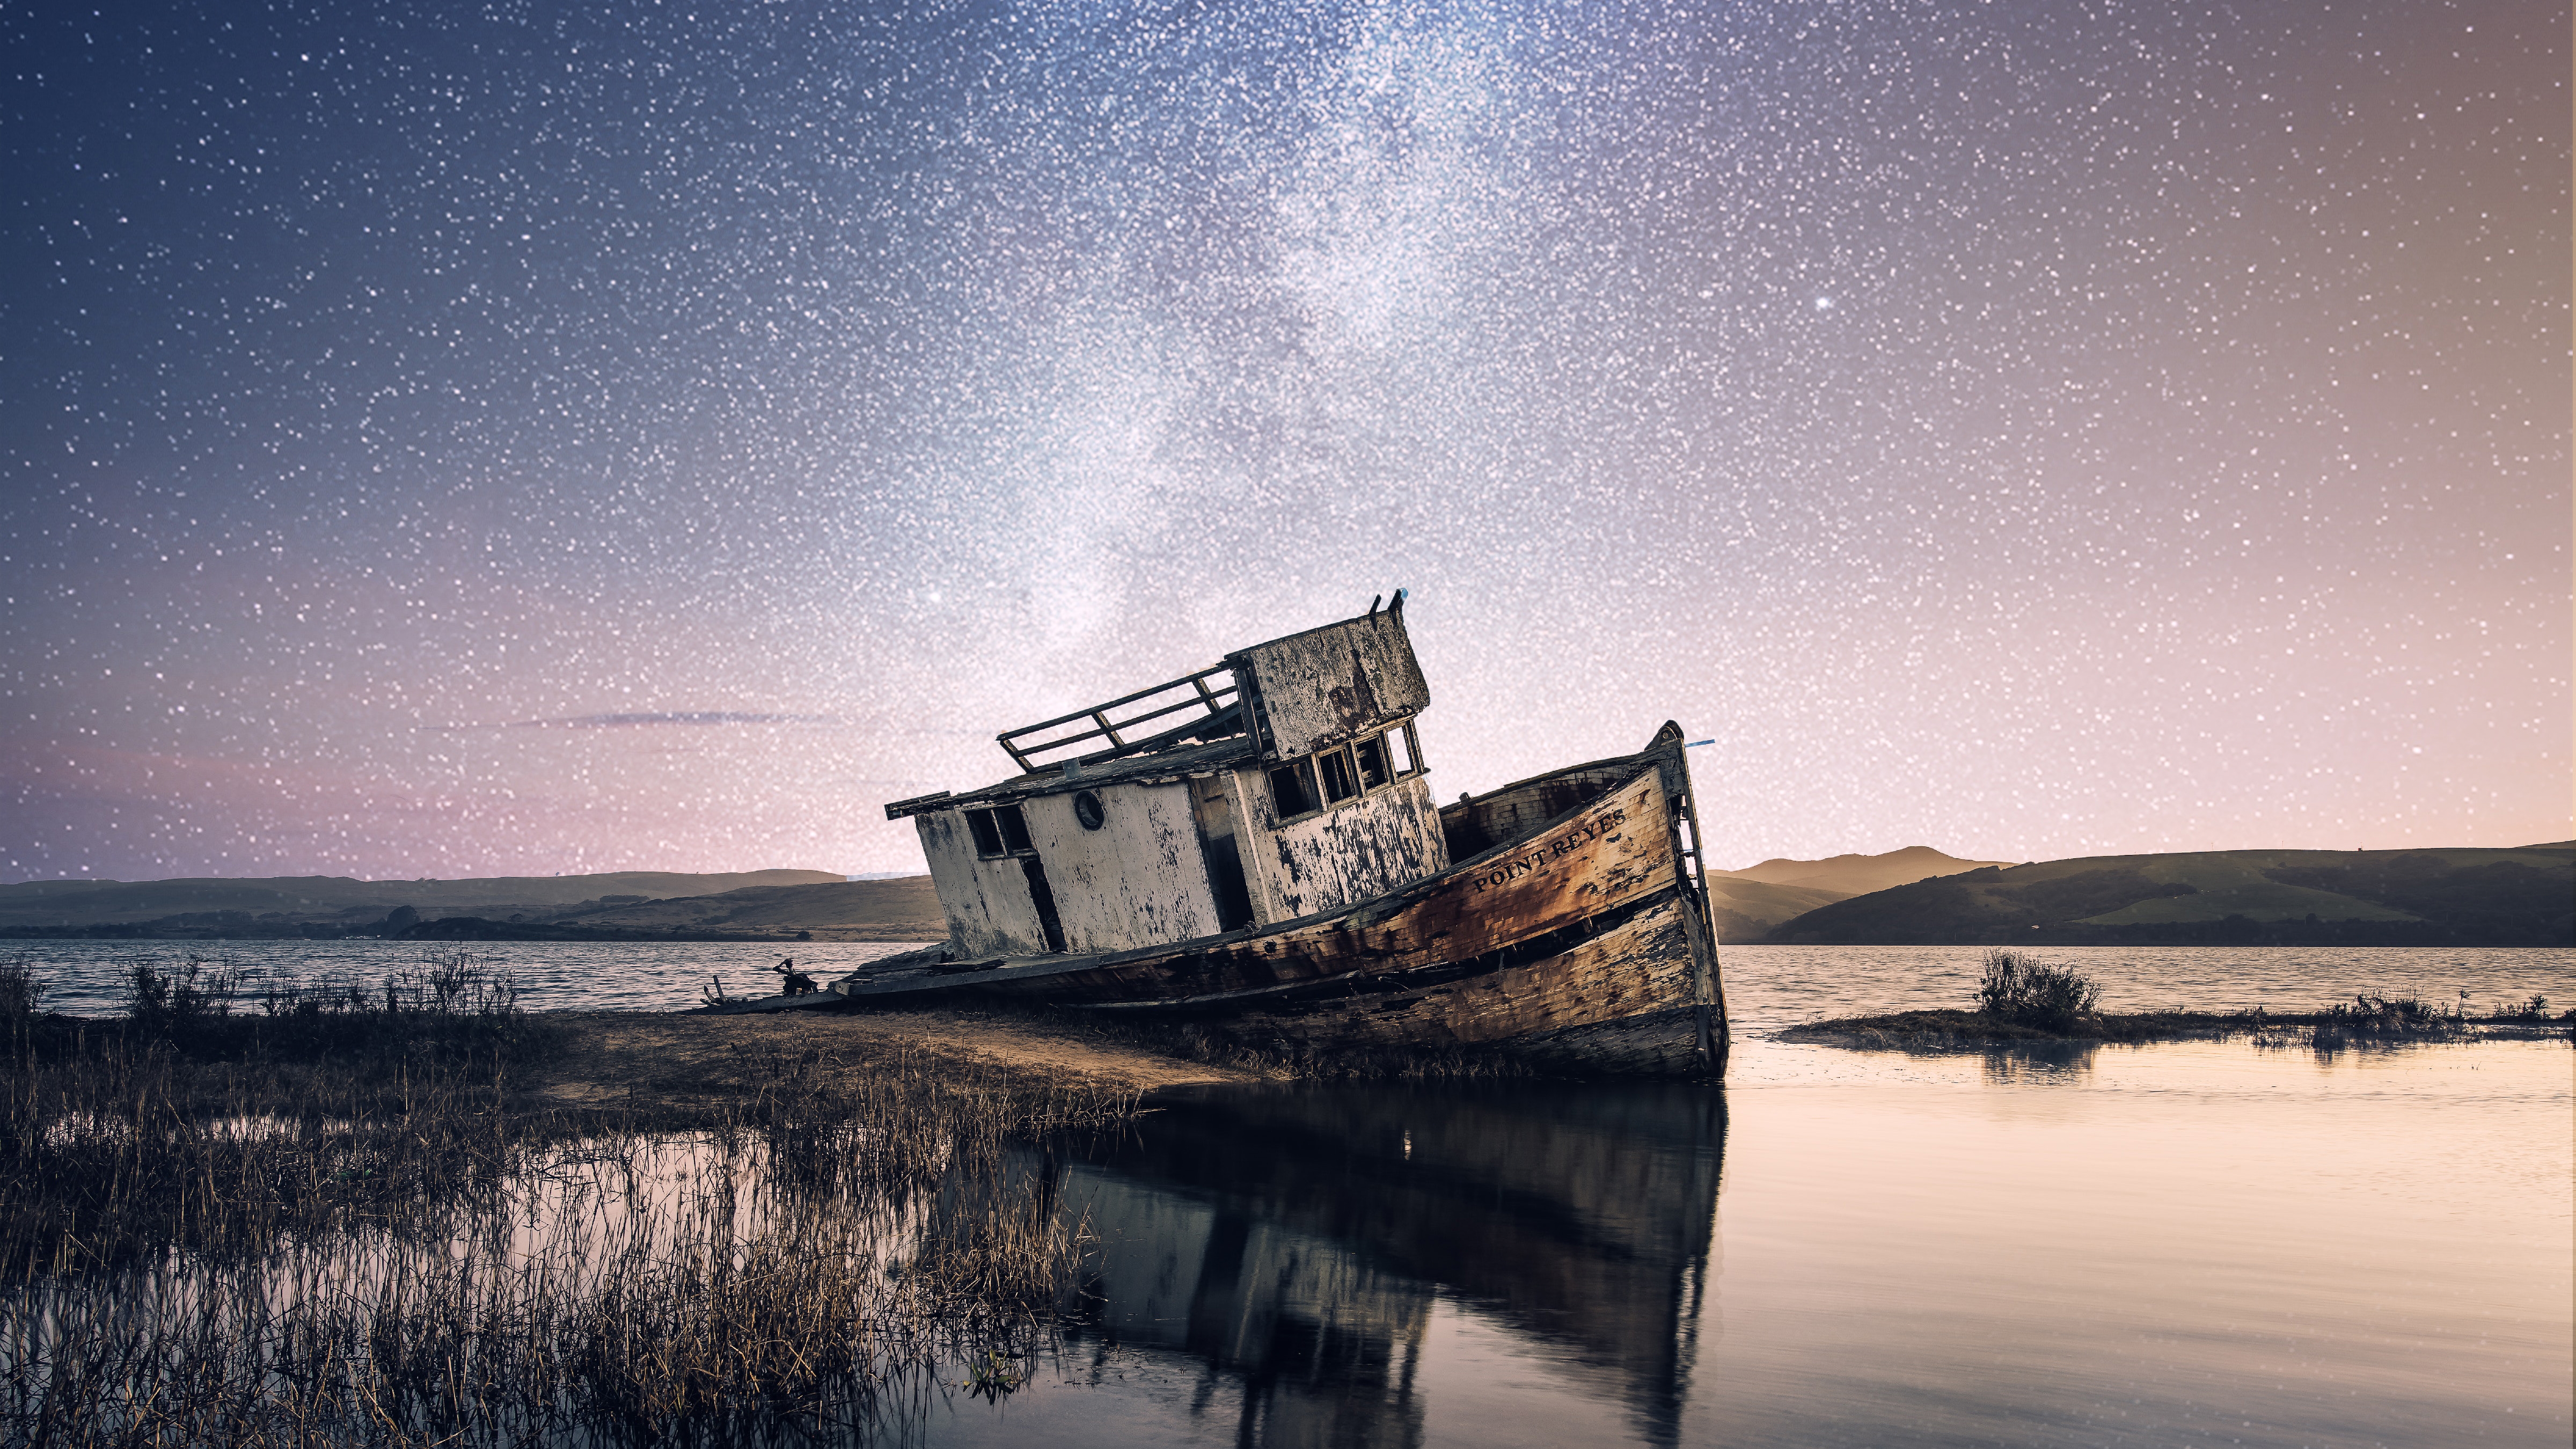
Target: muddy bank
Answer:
[[668, 1060]]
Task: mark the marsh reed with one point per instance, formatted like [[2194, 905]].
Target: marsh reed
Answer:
[[329, 1214]]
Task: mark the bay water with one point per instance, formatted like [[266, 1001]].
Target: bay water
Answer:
[[2200, 1242]]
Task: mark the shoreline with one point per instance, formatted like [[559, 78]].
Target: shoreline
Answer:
[[686, 1060], [1956, 1028]]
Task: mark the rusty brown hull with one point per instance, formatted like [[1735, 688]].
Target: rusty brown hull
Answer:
[[1581, 942], [1619, 1002]]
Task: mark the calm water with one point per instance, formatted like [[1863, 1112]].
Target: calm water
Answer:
[[2179, 1244], [1768, 987], [2192, 1243]]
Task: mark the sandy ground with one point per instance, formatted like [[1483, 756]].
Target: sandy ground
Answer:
[[682, 1055]]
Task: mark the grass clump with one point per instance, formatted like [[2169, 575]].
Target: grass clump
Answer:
[[185, 1123], [2533, 1008], [450, 1008], [2374, 1019], [20, 990], [2017, 989]]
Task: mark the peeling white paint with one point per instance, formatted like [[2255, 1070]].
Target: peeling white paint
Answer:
[[1333, 684], [1137, 880], [1360, 850], [987, 902]]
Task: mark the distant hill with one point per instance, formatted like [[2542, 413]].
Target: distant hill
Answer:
[[279, 904], [1853, 875], [1747, 909], [904, 908], [2462, 897]]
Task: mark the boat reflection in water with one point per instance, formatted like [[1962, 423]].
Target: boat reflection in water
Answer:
[[1298, 1240]]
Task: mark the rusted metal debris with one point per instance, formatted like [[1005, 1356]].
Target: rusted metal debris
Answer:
[[1255, 846]]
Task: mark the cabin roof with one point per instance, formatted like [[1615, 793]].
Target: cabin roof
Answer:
[[1160, 767], [1281, 697]]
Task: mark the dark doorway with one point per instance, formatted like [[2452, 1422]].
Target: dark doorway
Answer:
[[1042, 896], [1223, 857]]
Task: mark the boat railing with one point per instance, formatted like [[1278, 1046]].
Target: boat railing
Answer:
[[1211, 696]]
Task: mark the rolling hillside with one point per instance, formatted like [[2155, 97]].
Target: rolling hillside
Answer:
[[900, 909], [2462, 897], [1749, 902], [1853, 875], [280, 902], [1746, 910]]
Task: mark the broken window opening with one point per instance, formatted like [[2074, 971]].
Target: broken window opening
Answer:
[[988, 838], [1341, 782], [1014, 828], [1292, 791], [1400, 757], [1412, 752], [1372, 758]]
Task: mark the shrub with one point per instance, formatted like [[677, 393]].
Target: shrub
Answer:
[[2023, 991], [177, 1003], [2381, 1016], [20, 990]]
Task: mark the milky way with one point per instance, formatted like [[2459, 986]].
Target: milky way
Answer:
[[445, 440]]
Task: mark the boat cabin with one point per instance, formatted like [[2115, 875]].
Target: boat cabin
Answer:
[[1284, 781]]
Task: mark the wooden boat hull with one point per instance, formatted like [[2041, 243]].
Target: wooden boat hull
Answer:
[[1583, 942], [1615, 1003]]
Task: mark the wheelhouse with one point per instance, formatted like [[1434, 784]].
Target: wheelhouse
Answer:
[[1285, 781]]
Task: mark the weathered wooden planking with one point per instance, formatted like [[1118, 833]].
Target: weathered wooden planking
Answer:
[[1560, 1007], [987, 902], [1355, 852], [1615, 852], [1444, 963], [1475, 826], [1332, 684]]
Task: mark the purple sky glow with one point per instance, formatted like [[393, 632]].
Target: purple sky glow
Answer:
[[447, 441]]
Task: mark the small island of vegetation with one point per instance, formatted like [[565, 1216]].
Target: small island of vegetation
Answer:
[[2021, 998]]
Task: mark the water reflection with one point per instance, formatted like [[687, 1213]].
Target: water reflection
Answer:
[[1296, 1243], [2040, 1063]]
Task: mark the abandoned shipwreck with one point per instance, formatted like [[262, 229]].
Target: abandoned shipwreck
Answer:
[[1256, 847]]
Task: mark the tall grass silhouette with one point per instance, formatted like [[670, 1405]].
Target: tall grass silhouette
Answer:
[[329, 1212]]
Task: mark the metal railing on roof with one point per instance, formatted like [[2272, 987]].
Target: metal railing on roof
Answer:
[[1219, 706]]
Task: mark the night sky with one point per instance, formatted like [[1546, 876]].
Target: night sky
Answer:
[[446, 440]]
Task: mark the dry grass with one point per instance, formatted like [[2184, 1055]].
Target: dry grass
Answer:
[[2020, 990], [344, 1217]]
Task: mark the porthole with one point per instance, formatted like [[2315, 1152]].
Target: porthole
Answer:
[[1086, 809]]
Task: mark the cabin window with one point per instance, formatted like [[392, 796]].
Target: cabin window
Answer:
[[1371, 755], [1015, 830], [1341, 782], [988, 837], [1401, 758], [1086, 810], [1292, 791]]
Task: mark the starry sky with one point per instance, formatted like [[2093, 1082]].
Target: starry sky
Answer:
[[450, 439]]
